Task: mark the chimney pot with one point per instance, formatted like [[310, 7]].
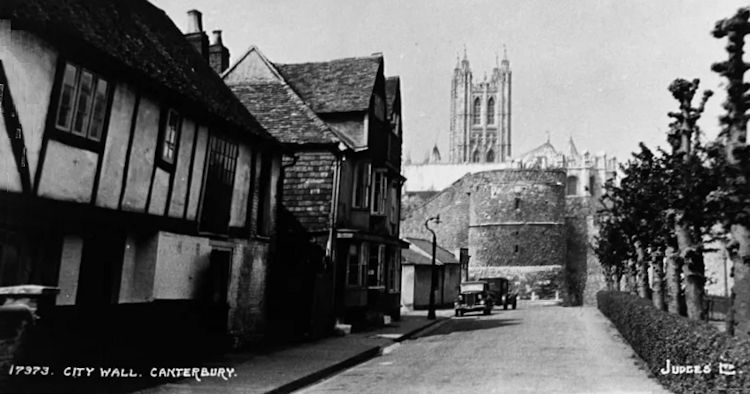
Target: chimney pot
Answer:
[[195, 22], [216, 38]]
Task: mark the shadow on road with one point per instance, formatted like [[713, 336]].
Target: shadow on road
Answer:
[[470, 323]]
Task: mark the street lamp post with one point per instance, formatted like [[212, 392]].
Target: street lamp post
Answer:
[[433, 277]]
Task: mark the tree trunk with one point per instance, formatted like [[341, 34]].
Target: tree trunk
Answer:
[[675, 298], [694, 268], [658, 285], [631, 278], [730, 246], [740, 308], [618, 281], [609, 278], [644, 291]]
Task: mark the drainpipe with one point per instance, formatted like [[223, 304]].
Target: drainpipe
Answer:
[[333, 219]]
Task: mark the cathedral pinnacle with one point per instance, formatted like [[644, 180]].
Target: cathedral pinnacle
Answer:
[[505, 62], [465, 61]]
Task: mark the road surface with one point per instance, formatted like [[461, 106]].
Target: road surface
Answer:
[[539, 348]]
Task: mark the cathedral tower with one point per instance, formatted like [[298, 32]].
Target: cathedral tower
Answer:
[[480, 115]]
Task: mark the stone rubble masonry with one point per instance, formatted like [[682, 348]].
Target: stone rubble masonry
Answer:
[[517, 223], [515, 218]]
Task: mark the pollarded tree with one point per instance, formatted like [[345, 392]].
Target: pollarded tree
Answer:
[[734, 197], [688, 186]]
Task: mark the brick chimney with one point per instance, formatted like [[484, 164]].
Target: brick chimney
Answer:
[[195, 34], [218, 54]]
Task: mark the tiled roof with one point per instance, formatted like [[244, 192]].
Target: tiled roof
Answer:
[[283, 113], [392, 87], [420, 253], [139, 37], [341, 85], [308, 186]]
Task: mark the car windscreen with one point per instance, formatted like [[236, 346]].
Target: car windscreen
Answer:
[[472, 287]]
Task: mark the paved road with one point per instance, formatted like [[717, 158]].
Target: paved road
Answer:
[[536, 349]]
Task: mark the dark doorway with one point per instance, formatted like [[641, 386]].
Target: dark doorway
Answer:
[[101, 269], [218, 276], [216, 307]]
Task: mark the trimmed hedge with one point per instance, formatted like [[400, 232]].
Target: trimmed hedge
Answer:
[[658, 336]]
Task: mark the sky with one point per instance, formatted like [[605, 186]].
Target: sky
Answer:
[[593, 70]]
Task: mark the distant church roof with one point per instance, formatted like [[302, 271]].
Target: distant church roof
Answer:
[[544, 150]]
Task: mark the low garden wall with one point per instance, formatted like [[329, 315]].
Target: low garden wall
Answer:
[[686, 356]]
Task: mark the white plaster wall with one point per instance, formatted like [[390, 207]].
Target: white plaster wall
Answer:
[[70, 265], [242, 175], [159, 192], [197, 183], [68, 173], [181, 265], [407, 286], [30, 65], [142, 155], [138, 268], [116, 146], [10, 179], [182, 171]]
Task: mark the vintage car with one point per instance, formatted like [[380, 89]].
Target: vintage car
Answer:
[[500, 287], [474, 296]]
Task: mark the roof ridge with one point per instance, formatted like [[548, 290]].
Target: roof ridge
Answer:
[[332, 60]]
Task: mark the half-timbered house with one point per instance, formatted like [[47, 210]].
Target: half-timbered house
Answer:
[[131, 178]]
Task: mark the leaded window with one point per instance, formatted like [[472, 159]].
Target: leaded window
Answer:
[[82, 103]]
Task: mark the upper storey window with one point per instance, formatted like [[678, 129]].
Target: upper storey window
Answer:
[[169, 137], [491, 111], [477, 112], [219, 185], [360, 198], [82, 105]]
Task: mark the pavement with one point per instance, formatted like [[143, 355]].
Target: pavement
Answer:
[[287, 369], [539, 348]]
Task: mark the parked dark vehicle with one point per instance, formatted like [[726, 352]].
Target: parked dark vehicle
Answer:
[[500, 287], [474, 296]]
